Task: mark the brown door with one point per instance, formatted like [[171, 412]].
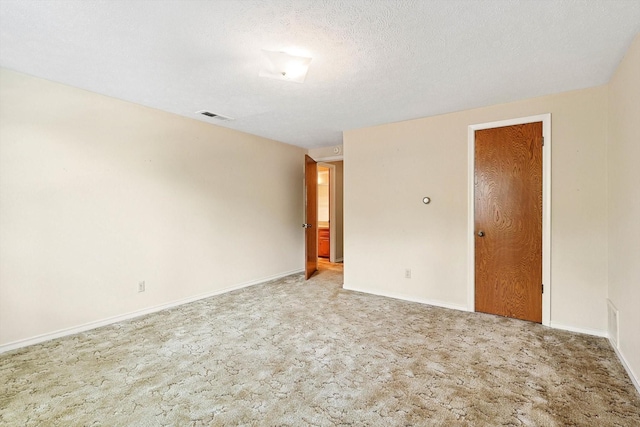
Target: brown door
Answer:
[[508, 221], [311, 224]]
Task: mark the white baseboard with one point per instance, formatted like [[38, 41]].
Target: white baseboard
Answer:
[[407, 298], [339, 259], [625, 365], [127, 316], [595, 332]]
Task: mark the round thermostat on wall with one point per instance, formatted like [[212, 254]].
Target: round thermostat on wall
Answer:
[[337, 149]]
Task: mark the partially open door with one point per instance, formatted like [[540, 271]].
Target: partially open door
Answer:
[[311, 223]]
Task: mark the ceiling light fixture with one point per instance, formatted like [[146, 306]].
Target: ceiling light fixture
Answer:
[[283, 66]]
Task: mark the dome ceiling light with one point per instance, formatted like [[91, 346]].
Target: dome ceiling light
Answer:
[[283, 66]]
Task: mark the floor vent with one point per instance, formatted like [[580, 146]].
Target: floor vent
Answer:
[[214, 115], [613, 323]]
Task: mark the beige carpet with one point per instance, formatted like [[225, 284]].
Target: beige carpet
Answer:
[[291, 353]]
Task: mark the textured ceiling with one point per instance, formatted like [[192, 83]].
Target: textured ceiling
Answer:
[[374, 61]]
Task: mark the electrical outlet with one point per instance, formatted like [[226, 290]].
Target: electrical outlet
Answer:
[[407, 273], [141, 286]]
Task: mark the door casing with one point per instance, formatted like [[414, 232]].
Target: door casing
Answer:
[[546, 208]]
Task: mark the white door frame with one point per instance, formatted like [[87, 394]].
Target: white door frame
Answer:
[[546, 208], [332, 209]]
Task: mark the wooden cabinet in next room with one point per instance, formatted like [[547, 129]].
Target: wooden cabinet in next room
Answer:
[[323, 242]]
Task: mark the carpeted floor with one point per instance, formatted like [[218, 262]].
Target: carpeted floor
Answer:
[[291, 353]]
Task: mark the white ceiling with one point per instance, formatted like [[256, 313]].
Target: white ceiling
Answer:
[[374, 61]]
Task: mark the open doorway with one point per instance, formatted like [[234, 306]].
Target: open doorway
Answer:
[[330, 227], [324, 204], [323, 215]]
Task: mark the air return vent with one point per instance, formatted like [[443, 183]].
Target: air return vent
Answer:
[[214, 115]]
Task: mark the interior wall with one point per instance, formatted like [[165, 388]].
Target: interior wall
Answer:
[[390, 168], [623, 152], [97, 194]]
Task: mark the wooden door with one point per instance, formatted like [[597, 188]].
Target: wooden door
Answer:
[[311, 216], [508, 221]]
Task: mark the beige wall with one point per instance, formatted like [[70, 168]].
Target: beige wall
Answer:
[[97, 194], [623, 153], [390, 168]]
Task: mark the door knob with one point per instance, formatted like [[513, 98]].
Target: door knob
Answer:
[[306, 225], [481, 233]]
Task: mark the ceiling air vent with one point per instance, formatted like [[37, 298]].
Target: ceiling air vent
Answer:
[[214, 115]]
